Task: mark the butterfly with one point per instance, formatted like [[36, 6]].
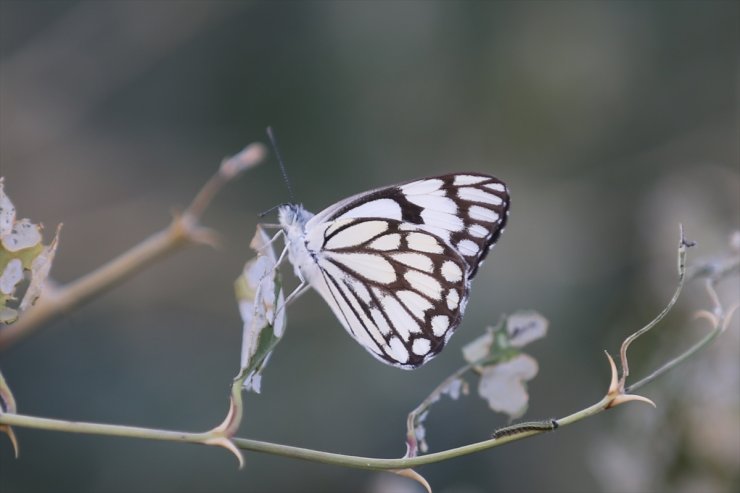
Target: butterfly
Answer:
[[395, 263]]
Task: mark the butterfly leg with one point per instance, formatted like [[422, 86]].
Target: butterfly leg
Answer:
[[299, 290], [272, 240]]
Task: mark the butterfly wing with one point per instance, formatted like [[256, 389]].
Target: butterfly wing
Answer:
[[468, 211], [399, 290], [395, 263]]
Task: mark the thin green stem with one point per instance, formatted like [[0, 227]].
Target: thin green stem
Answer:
[[20, 420], [683, 245], [221, 435], [719, 317], [675, 361], [25, 421]]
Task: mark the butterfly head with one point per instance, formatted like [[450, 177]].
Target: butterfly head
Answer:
[[293, 217]]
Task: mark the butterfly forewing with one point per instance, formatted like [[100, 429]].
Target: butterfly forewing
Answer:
[[395, 263], [468, 211]]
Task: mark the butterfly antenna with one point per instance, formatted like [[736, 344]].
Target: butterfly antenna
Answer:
[[263, 214], [273, 141]]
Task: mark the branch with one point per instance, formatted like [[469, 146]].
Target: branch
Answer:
[[371, 463], [221, 435], [713, 271], [184, 230]]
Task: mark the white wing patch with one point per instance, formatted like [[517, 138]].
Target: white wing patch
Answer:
[[380, 321], [371, 267], [467, 248], [440, 324], [451, 271], [423, 242], [422, 187], [425, 284], [421, 347], [387, 208], [477, 195], [461, 180], [477, 230], [415, 303], [453, 299], [417, 261], [437, 203], [397, 351], [386, 242], [403, 323], [485, 214], [447, 221], [356, 233], [497, 187]]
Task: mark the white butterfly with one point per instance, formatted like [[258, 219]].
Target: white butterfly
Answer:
[[395, 264]]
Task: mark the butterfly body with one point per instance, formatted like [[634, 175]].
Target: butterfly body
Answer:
[[395, 264]]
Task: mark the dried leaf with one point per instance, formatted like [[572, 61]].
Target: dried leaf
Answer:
[[504, 385], [416, 433], [420, 436], [455, 388], [21, 251], [11, 276], [24, 234], [503, 340], [261, 301], [7, 211], [524, 327], [8, 315], [478, 348], [40, 267]]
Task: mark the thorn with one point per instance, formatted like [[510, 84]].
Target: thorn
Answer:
[[614, 383], [228, 445], [711, 317], [13, 440], [622, 398], [616, 389], [411, 474]]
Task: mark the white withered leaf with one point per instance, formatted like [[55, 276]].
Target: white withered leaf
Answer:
[[261, 300]]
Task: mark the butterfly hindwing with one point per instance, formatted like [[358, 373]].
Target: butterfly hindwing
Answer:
[[399, 290]]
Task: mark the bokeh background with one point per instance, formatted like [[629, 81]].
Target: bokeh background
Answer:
[[610, 121]]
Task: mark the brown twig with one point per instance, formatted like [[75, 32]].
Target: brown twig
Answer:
[[185, 229]]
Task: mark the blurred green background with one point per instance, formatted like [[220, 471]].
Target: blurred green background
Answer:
[[610, 121]]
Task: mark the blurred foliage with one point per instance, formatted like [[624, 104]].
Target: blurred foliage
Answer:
[[610, 121]]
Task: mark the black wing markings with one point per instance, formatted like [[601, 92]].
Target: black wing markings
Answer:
[[357, 310]]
